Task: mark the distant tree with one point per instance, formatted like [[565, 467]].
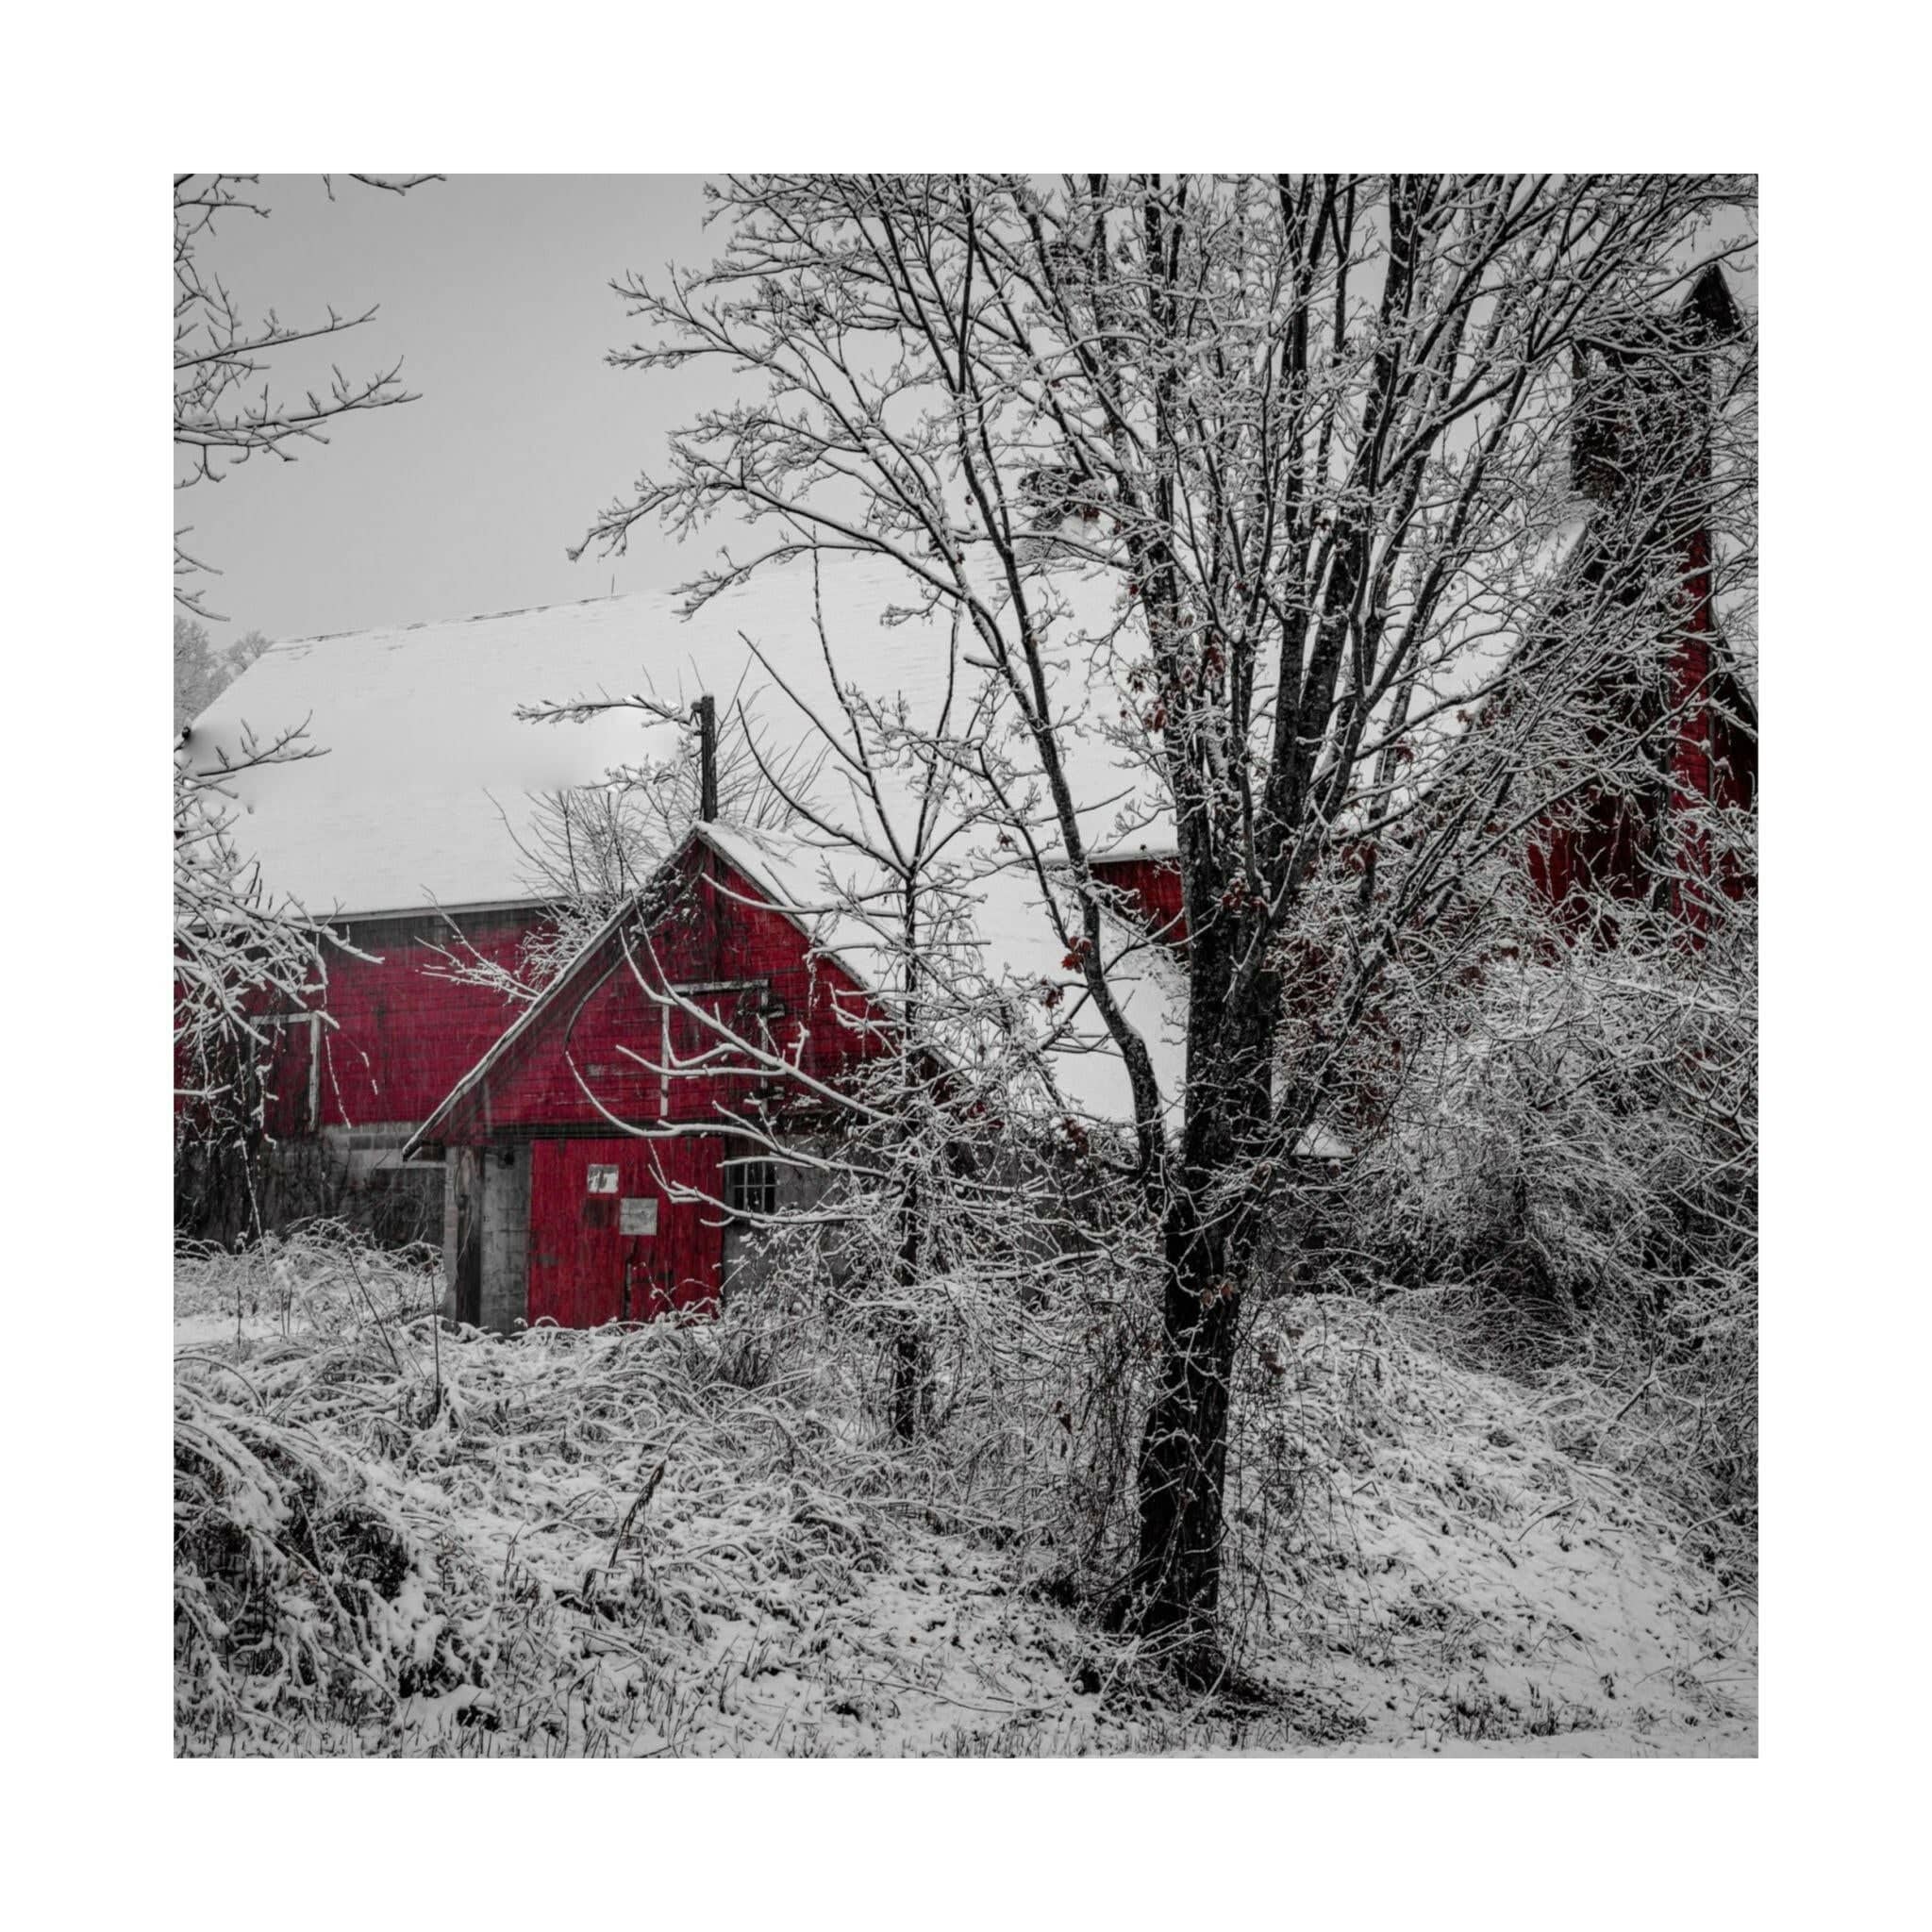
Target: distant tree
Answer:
[[1315, 431], [202, 673]]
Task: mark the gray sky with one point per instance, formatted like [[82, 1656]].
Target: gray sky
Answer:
[[494, 290]]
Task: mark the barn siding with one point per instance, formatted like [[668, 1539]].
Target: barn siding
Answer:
[[403, 1036], [1154, 886], [584, 1269], [593, 1060]]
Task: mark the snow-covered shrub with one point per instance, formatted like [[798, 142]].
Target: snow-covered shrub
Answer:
[[390, 1536], [322, 1276], [395, 1535], [1032, 1362], [1569, 1179]]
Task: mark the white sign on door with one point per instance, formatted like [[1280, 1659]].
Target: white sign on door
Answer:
[[638, 1214]]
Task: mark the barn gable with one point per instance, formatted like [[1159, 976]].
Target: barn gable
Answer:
[[635, 1034]]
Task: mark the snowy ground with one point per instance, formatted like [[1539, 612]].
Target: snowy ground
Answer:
[[1443, 1581], [1473, 1588]]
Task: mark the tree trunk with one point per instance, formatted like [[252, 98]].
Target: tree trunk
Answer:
[[911, 1370], [1175, 1588]]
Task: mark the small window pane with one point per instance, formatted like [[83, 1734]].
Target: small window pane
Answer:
[[751, 1187]]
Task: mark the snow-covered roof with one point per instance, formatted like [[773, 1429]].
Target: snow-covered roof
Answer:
[[430, 783], [429, 780], [1018, 953], [1015, 947]]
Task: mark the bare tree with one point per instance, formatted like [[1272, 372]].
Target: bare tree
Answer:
[[247, 965], [225, 411], [1315, 432], [865, 825], [245, 959]]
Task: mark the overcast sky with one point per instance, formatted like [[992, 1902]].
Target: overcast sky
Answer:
[[495, 292]]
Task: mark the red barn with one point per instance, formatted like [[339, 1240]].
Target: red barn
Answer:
[[441, 1100], [594, 1168]]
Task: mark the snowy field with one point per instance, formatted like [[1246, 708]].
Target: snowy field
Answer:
[[626, 1542]]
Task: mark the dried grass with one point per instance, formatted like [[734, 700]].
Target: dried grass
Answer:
[[393, 1535]]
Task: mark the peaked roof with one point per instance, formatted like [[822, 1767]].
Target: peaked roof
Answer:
[[1713, 306]]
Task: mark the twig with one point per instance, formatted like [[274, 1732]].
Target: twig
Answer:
[[1560, 1510], [631, 1514]]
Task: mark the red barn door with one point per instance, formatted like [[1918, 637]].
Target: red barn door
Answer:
[[608, 1243]]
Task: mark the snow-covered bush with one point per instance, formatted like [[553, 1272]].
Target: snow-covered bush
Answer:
[[247, 964], [393, 1535], [1570, 1180]]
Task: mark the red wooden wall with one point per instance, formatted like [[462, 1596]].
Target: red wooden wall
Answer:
[[584, 1270], [1154, 885], [598, 1047], [403, 1036]]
